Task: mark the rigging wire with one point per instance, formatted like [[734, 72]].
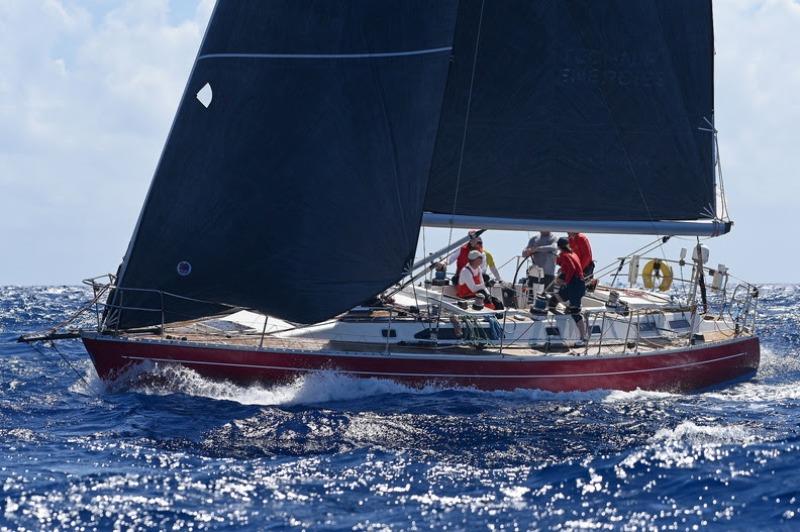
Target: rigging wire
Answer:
[[464, 135], [647, 248], [85, 308], [718, 168], [469, 109], [63, 357]]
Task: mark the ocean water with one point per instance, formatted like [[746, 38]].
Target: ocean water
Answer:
[[334, 453]]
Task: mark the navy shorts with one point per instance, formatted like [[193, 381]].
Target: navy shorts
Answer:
[[573, 293]]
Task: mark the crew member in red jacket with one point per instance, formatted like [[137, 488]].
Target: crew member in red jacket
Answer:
[[571, 286], [462, 258], [459, 257], [580, 245]]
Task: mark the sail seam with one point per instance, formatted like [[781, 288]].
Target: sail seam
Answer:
[[366, 55]]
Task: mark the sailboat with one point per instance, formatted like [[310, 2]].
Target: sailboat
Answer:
[[315, 139]]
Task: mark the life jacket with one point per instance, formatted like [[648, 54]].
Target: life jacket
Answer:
[[570, 265], [463, 257], [463, 290]]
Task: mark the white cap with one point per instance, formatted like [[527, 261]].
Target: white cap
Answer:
[[474, 254]]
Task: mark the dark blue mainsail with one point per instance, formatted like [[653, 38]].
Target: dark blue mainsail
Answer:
[[578, 110], [298, 191]]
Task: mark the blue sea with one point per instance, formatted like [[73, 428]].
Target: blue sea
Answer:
[[335, 453]]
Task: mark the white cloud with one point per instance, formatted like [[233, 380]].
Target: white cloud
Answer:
[[86, 100], [758, 80]]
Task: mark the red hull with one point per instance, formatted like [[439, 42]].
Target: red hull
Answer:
[[686, 369]]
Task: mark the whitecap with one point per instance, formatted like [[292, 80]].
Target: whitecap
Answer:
[[689, 433], [778, 364], [686, 445], [318, 387]]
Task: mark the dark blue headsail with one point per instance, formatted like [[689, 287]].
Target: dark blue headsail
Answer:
[[593, 110], [293, 179]]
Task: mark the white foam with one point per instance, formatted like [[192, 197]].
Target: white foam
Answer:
[[778, 365], [686, 445], [777, 380], [770, 290], [328, 386], [600, 395], [638, 396], [691, 434], [90, 384], [318, 387], [756, 396]]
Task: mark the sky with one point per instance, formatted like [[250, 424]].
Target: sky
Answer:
[[89, 88]]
